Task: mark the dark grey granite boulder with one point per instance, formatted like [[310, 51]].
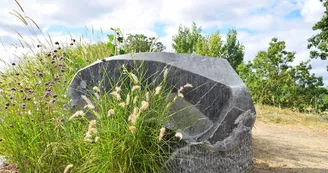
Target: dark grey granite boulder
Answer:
[[217, 134]]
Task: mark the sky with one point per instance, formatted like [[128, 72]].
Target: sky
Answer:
[[257, 22]]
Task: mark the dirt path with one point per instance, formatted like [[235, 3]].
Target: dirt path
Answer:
[[281, 148]]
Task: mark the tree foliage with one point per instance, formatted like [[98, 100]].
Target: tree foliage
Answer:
[[192, 41], [209, 45], [233, 50], [320, 40], [140, 43], [271, 79], [186, 39]]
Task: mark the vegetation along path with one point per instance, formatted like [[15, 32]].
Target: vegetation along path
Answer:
[[282, 146]]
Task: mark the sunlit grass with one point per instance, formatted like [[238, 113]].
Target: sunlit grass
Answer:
[[39, 133], [291, 117]]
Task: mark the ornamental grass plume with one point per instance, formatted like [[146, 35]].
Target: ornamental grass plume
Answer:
[[91, 130], [158, 90], [97, 139], [144, 106], [91, 127], [166, 72], [77, 114], [135, 78], [97, 95], [122, 104], [188, 85], [147, 96], [135, 100], [110, 112], [116, 94], [68, 167], [136, 87], [127, 101], [132, 129], [180, 92], [178, 135], [161, 133], [88, 137], [118, 89], [96, 89], [89, 103], [133, 117]]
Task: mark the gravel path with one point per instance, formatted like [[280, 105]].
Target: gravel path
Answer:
[[281, 148]]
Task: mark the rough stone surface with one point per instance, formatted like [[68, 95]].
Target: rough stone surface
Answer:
[[217, 135]]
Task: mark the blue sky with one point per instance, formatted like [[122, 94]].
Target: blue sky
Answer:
[[256, 21]]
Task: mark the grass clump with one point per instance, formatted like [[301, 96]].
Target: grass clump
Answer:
[[40, 134]]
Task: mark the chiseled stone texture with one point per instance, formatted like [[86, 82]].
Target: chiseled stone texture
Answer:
[[217, 137]]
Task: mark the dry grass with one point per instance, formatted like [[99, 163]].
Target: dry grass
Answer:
[[270, 114]]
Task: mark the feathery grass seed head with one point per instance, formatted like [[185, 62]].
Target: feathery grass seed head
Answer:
[[161, 133], [144, 106], [158, 90], [96, 89], [135, 78], [178, 135], [89, 103], [188, 85], [68, 167], [122, 104], [136, 87], [147, 96], [127, 102], [110, 112], [132, 129], [135, 100], [79, 113]]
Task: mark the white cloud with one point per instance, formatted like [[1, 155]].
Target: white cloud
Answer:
[[312, 10], [141, 16]]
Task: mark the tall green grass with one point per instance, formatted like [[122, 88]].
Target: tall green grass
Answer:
[[40, 134]]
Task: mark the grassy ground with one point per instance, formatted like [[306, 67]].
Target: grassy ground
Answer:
[[291, 117]]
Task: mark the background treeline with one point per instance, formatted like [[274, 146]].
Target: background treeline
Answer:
[[270, 76]]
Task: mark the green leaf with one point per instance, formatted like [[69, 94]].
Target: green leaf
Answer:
[[110, 46], [122, 52], [111, 37]]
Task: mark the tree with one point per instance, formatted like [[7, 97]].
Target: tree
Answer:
[[272, 80], [309, 87], [210, 45], [320, 40], [141, 43], [192, 41], [233, 50], [186, 39]]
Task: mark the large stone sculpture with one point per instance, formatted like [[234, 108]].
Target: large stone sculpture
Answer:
[[219, 140]]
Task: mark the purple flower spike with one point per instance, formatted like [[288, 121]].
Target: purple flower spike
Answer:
[[60, 58], [47, 94], [23, 105]]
